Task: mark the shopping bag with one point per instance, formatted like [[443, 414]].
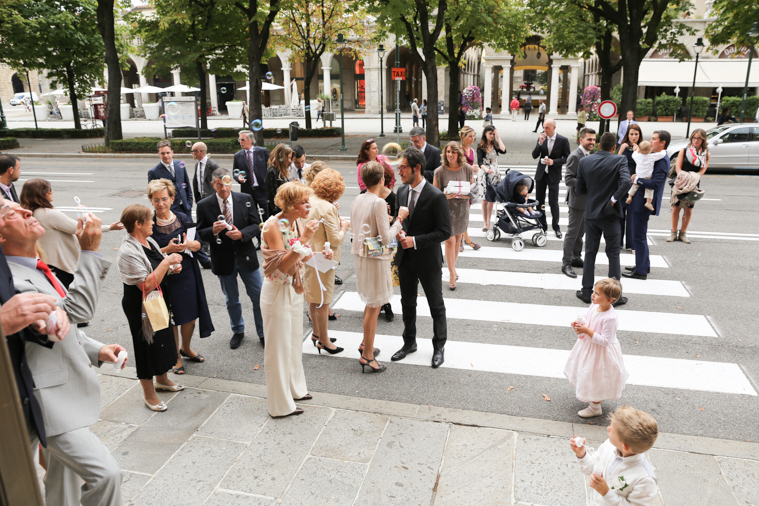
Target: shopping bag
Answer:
[[155, 308]]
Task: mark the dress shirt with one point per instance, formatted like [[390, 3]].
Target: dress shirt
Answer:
[[170, 167], [414, 192], [585, 152], [31, 263], [551, 141], [423, 147], [296, 175], [229, 204], [7, 191], [201, 172]]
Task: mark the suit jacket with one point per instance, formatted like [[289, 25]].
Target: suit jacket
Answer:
[[207, 180], [66, 385], [229, 253], [559, 155], [183, 198], [260, 164], [656, 183], [574, 200], [602, 176], [432, 159], [429, 225]]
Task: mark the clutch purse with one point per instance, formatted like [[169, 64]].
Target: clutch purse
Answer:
[[373, 247]]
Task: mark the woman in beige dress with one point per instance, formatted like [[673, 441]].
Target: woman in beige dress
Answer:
[[328, 187], [454, 168], [373, 278], [285, 247]]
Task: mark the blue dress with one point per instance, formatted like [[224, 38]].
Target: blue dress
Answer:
[[185, 292]]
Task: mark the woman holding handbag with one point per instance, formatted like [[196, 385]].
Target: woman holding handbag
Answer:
[[143, 268], [477, 191], [372, 238], [488, 150]]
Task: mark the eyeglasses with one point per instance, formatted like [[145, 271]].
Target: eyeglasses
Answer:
[[49, 191], [164, 200], [4, 210], [197, 151]]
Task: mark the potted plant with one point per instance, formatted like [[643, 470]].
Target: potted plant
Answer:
[[125, 107], [40, 110], [667, 106], [643, 109], [67, 111], [234, 108], [151, 110]]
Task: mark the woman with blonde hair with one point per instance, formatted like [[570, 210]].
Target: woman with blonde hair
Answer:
[[278, 173], [374, 282], [328, 187], [284, 244], [468, 136], [454, 168], [310, 173], [693, 158]]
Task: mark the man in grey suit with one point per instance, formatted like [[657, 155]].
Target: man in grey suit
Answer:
[[81, 470], [605, 179], [576, 227]]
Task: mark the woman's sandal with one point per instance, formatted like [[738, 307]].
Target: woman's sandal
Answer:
[[178, 370], [381, 367], [333, 317], [361, 350], [197, 358], [474, 245], [452, 286], [315, 339]]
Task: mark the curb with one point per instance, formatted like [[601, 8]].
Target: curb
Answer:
[[666, 441]]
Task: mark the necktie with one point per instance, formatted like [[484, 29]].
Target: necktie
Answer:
[[170, 168], [550, 145], [199, 170], [227, 213], [410, 201], [250, 166], [49, 275]]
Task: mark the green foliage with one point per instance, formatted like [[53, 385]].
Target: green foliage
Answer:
[[644, 107], [734, 104], [616, 94], [269, 133], [55, 133], [667, 105], [8, 142], [700, 106], [734, 20], [148, 145]]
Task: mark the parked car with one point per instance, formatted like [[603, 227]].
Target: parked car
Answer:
[[18, 98], [733, 146]]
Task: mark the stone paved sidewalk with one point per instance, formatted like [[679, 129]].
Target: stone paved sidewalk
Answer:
[[216, 445]]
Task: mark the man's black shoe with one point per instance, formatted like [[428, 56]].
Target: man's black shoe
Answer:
[[630, 268], [401, 354], [583, 297], [621, 302], [338, 280], [634, 275], [566, 269], [438, 358], [558, 233], [236, 340], [578, 263]]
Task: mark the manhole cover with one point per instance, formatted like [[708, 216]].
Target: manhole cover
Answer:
[[128, 193]]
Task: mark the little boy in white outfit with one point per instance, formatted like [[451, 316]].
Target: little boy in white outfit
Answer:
[[644, 168]]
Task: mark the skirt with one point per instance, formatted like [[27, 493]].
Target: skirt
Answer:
[[374, 282], [597, 372], [312, 290]]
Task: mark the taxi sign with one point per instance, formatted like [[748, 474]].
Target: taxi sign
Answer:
[[399, 74]]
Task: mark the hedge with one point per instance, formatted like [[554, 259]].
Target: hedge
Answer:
[[667, 105], [148, 145], [8, 142], [644, 107], [57, 133], [734, 103], [700, 106], [269, 133]]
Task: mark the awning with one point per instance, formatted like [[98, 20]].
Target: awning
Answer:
[[712, 73]]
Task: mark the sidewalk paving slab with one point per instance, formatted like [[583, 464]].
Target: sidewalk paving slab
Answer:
[[325, 482], [695, 480], [742, 476]]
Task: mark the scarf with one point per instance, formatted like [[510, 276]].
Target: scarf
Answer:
[[696, 159]]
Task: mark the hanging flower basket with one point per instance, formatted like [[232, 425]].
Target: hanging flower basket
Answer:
[[473, 102]]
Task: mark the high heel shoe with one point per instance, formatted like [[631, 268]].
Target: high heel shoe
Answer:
[[381, 367], [315, 339], [320, 347], [361, 351]]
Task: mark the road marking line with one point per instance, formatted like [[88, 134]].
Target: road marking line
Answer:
[[535, 254], [657, 372], [76, 208], [62, 181], [562, 282], [550, 236], [63, 174], [553, 316]]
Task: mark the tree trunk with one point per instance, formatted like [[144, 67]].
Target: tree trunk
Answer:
[[203, 92], [254, 76], [307, 89], [112, 108], [453, 96], [72, 95], [631, 69], [430, 72], [603, 49]]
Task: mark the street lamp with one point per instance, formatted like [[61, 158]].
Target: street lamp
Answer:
[[381, 53], [31, 96], [719, 100], [697, 48], [677, 94], [754, 32], [398, 130], [341, 41]]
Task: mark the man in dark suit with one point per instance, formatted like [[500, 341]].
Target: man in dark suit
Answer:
[[10, 171], [604, 178], [233, 251], [253, 161], [431, 154], [659, 142], [419, 256], [175, 172], [552, 150], [202, 187], [576, 227]]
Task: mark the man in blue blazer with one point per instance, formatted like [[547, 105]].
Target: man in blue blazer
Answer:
[[253, 161], [175, 172], [659, 142]]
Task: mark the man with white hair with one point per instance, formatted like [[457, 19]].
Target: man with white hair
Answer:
[[552, 151]]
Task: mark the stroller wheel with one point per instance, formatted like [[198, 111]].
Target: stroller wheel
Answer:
[[539, 240], [517, 244], [497, 234], [490, 235]]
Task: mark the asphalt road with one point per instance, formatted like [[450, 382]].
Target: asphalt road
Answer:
[[717, 270]]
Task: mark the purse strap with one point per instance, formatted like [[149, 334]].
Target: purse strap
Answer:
[[156, 285]]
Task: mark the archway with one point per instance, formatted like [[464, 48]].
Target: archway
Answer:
[[530, 72], [18, 84], [130, 78], [410, 88]]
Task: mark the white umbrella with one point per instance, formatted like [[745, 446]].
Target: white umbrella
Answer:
[[149, 89], [59, 91], [181, 88], [125, 91], [264, 87]]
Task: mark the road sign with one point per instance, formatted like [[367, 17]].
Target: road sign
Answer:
[[607, 109], [399, 74]]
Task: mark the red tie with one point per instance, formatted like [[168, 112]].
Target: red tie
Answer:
[[49, 275]]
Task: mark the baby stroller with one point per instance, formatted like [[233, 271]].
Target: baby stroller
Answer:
[[510, 219]]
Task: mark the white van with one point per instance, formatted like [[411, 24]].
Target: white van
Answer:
[[18, 98]]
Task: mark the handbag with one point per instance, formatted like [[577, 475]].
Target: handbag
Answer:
[[155, 307], [373, 247]]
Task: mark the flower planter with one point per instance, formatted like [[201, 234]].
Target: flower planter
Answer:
[[67, 112], [234, 109], [124, 111], [697, 120], [665, 118], [41, 112], [151, 110]]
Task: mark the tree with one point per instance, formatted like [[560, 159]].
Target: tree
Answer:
[[260, 16], [107, 28], [198, 36], [734, 20], [421, 22], [59, 37], [474, 23], [309, 28]]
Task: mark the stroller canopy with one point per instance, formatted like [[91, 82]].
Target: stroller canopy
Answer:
[[505, 188]]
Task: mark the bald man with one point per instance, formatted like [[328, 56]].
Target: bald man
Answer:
[[551, 151], [202, 187]]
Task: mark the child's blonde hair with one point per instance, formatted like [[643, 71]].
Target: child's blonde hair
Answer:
[[637, 429], [611, 288], [644, 147]]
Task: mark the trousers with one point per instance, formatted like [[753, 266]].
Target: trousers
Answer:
[[611, 232], [573, 236], [252, 282], [432, 284], [553, 201]]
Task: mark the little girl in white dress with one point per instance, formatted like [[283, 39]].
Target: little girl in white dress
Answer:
[[595, 366]]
